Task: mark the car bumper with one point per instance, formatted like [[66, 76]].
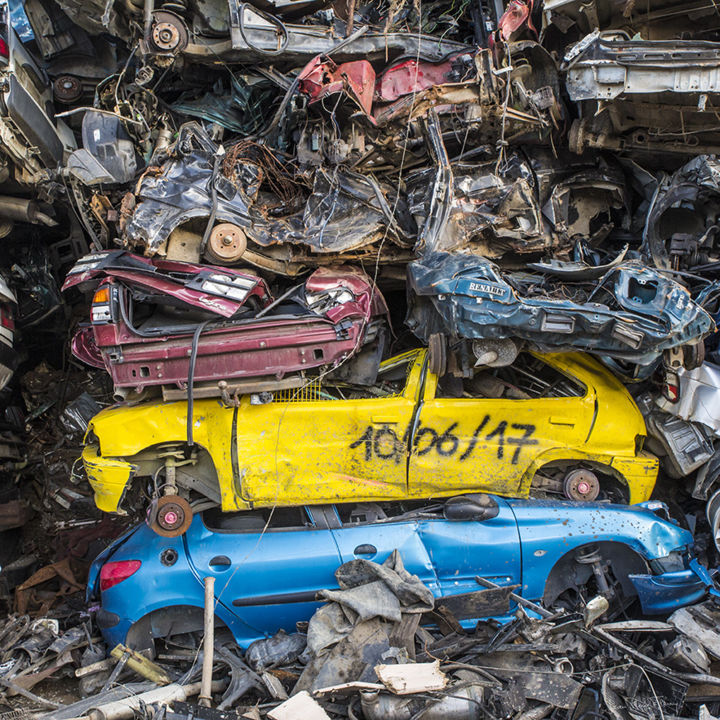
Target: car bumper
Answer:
[[664, 593], [108, 477], [640, 472]]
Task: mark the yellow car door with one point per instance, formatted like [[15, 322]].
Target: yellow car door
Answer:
[[488, 435], [312, 448]]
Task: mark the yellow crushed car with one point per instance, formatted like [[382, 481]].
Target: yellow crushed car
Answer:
[[558, 423]]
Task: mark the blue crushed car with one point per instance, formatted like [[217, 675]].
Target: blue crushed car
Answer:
[[631, 312], [269, 564]]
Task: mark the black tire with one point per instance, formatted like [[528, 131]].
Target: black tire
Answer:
[[437, 354], [693, 355]]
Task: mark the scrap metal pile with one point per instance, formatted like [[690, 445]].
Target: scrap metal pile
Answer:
[[288, 286]]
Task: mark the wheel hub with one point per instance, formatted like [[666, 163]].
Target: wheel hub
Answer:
[[226, 244], [170, 516], [581, 485]]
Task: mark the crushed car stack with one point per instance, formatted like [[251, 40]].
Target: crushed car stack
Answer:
[[287, 286]]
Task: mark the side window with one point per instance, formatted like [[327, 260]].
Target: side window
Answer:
[[255, 521], [367, 513], [527, 378]]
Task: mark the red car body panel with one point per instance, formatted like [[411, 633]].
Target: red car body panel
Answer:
[[291, 339]]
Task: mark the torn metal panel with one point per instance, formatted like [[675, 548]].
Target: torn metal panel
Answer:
[[219, 291], [681, 227], [684, 446], [253, 36], [344, 212], [699, 622], [526, 204], [604, 66], [632, 313], [524, 74], [658, 19], [31, 137], [145, 339], [566, 270], [322, 78], [643, 95]]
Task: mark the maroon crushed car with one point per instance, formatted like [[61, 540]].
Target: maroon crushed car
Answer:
[[165, 323]]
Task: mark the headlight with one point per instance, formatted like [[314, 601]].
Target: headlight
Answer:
[[675, 561]]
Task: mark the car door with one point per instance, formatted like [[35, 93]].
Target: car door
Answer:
[[313, 448], [480, 543], [371, 532], [471, 442], [268, 565]]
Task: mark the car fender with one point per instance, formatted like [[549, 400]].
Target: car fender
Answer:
[[92, 591], [124, 431], [550, 529]]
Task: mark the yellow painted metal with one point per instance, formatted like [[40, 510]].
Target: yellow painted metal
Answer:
[[497, 445], [308, 448], [108, 477]]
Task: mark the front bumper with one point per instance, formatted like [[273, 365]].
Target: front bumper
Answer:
[[664, 593], [108, 477]]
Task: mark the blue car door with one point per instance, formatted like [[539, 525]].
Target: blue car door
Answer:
[[487, 545], [268, 564], [366, 531]]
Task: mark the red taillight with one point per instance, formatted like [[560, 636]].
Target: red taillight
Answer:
[[4, 49], [113, 573], [6, 319]]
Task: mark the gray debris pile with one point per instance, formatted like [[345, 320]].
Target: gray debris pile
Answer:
[[369, 653]]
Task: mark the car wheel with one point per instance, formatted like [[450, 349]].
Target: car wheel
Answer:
[[437, 354]]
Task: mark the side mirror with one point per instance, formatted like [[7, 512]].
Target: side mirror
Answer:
[[477, 507]]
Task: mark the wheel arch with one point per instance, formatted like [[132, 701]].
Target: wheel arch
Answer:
[[151, 460], [568, 574], [164, 621], [609, 476]]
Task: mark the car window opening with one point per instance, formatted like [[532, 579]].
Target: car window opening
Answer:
[[255, 521], [527, 378]]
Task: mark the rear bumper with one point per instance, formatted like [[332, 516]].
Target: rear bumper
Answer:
[[108, 477], [664, 593], [640, 472]]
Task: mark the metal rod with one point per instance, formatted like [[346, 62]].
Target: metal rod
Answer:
[[205, 698], [517, 598]]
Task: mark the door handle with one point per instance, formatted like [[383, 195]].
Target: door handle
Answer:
[[556, 420], [365, 550], [384, 420], [220, 561]]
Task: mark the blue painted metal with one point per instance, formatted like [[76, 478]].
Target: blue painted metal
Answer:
[[289, 564], [274, 574], [632, 313], [660, 594]]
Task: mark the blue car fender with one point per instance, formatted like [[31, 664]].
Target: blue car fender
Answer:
[[549, 530]]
